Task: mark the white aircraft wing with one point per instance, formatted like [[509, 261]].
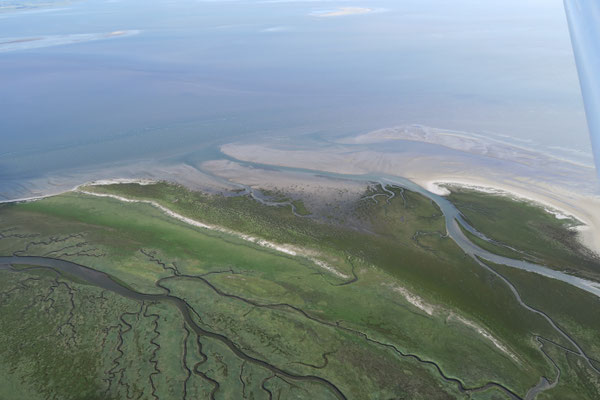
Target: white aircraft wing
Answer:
[[584, 25]]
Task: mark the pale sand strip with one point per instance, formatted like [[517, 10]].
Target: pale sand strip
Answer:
[[585, 209], [343, 11], [286, 249], [483, 333], [430, 309], [298, 252], [282, 248], [76, 188], [413, 299]]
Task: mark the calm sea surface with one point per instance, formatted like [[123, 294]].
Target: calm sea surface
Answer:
[[93, 83]]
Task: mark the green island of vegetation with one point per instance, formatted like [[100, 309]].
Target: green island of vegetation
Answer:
[[154, 291]]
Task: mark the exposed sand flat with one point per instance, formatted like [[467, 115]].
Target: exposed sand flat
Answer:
[[134, 173], [101, 182], [76, 188], [117, 33], [330, 159], [314, 190], [26, 43], [569, 191], [469, 143], [21, 40], [342, 11]]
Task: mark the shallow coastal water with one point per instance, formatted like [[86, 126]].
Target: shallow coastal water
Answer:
[[79, 96]]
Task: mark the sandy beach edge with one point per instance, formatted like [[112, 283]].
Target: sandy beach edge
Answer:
[[586, 212]]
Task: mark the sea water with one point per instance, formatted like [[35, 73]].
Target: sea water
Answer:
[[94, 83]]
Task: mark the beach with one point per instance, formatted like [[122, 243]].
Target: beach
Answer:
[[561, 187]]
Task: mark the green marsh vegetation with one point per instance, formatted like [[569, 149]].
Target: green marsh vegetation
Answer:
[[572, 308], [394, 328], [528, 228]]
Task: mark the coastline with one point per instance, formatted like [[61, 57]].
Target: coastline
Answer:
[[286, 249], [563, 205], [559, 193], [585, 211], [314, 257], [77, 187], [440, 187]]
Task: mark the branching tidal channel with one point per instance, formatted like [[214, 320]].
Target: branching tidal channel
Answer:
[[106, 282], [190, 316]]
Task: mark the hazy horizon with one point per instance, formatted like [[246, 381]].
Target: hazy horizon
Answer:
[[91, 82]]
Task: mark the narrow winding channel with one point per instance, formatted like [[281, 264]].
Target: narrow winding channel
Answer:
[[452, 216], [104, 281], [454, 221]]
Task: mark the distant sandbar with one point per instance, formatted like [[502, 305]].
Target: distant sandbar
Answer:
[[343, 11]]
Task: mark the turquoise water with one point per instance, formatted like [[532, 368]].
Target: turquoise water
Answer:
[[88, 84]]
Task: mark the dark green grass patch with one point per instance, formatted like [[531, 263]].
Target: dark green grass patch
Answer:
[[529, 228]]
